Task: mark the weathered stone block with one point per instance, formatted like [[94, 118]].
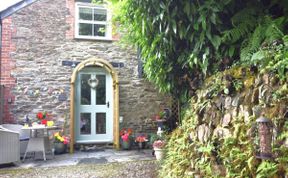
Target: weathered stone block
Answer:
[[226, 120]]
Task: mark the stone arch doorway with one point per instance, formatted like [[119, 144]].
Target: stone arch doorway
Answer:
[[94, 103]]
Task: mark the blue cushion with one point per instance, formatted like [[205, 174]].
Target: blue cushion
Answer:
[[24, 138]]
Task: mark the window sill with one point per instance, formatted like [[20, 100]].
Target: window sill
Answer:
[[95, 39]]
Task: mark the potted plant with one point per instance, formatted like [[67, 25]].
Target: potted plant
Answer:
[[60, 143], [158, 147], [43, 117], [160, 119], [141, 140], [126, 137]]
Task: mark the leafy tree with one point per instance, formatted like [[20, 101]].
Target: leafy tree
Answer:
[[183, 41]]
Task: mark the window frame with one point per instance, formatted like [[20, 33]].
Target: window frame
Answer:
[[108, 32]]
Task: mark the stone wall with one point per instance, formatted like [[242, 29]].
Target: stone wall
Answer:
[[254, 96], [43, 40], [219, 135]]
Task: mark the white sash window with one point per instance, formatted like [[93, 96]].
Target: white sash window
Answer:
[[92, 22]]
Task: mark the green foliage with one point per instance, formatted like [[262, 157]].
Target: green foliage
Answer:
[[243, 22], [267, 31], [174, 42], [185, 42], [237, 151], [273, 58], [281, 93], [238, 85], [266, 169], [182, 42], [234, 153]]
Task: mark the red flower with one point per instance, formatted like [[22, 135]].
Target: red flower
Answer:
[[44, 122], [125, 134], [39, 115], [125, 137], [123, 131], [141, 138], [129, 131]]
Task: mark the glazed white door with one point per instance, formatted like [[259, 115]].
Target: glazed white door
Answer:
[[94, 106]]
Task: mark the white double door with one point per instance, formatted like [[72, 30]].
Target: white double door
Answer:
[[94, 106]]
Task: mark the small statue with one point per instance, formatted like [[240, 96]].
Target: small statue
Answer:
[[27, 120]]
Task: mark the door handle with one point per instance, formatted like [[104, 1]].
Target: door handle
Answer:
[[108, 104]]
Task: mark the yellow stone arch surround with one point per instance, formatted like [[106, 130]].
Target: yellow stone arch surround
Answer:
[[108, 67]]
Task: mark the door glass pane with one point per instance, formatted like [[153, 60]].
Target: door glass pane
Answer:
[[101, 90], [100, 15], [99, 30], [85, 123], [100, 123], [85, 29], [85, 90], [85, 13]]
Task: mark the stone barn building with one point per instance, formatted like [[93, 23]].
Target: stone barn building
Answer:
[[62, 57]]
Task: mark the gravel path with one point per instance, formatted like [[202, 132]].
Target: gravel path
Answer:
[[135, 169]]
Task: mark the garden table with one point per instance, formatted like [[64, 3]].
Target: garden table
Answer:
[[39, 140]]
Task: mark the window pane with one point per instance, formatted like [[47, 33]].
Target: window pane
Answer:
[[85, 13], [85, 123], [99, 30], [85, 89], [100, 15], [100, 123], [101, 90], [85, 29]]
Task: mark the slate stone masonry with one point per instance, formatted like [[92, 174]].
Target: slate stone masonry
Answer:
[[43, 39]]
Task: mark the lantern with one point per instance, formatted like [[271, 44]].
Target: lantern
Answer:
[[265, 130]]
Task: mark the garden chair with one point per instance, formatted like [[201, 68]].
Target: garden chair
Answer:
[[23, 135], [9, 146]]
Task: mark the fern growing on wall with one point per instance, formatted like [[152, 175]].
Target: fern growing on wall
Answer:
[[267, 31], [243, 23], [251, 28]]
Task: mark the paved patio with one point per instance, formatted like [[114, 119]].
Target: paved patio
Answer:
[[96, 156]]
